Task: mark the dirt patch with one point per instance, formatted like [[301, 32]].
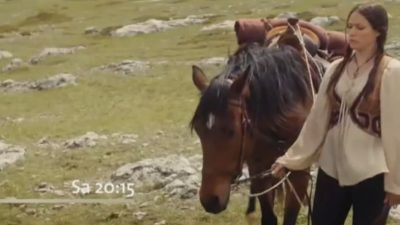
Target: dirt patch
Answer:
[[38, 19], [44, 18], [111, 3], [329, 5], [8, 28]]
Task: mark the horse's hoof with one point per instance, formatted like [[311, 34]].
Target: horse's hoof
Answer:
[[251, 218]]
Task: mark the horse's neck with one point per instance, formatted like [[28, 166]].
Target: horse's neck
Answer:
[[287, 126]]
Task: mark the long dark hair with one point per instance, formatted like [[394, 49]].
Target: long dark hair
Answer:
[[377, 17]]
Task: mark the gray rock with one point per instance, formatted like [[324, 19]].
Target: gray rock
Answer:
[[47, 52], [43, 141], [125, 138], [162, 222], [128, 141], [44, 188], [175, 175], [5, 54], [325, 21], [15, 120], [183, 190], [31, 212], [46, 143], [59, 192], [215, 61], [90, 139], [393, 48], [58, 207], [126, 67], [56, 81], [143, 205], [145, 144], [287, 15], [395, 213], [154, 25], [10, 154], [15, 64], [226, 25], [91, 31], [140, 215], [10, 85]]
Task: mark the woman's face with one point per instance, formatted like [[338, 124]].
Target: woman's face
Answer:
[[360, 33]]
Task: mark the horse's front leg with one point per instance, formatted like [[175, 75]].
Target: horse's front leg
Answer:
[[299, 180], [268, 216], [251, 211], [261, 162]]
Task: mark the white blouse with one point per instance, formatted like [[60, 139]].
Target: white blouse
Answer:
[[345, 151]]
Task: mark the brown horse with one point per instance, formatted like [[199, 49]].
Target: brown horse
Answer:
[[251, 113]]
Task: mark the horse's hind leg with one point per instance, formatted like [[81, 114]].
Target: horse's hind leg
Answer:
[[251, 211], [299, 179]]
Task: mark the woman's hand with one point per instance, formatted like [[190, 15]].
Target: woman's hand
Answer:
[[392, 199], [278, 170]]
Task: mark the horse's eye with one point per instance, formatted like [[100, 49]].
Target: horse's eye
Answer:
[[228, 132]]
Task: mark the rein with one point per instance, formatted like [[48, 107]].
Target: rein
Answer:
[[246, 124]]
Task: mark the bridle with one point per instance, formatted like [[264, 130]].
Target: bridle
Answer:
[[245, 125], [248, 129]]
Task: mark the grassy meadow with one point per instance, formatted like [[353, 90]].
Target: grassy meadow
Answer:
[[160, 100]]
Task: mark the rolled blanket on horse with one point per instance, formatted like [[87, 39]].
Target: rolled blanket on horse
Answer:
[[262, 30]]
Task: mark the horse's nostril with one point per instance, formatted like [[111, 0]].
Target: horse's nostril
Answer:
[[214, 200]]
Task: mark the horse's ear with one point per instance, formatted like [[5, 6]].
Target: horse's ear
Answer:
[[199, 78], [241, 85]]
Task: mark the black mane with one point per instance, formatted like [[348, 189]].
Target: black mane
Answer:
[[278, 81]]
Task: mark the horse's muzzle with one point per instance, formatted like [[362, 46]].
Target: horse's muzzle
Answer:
[[213, 204], [214, 192]]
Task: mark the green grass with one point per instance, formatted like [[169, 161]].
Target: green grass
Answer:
[[162, 98]]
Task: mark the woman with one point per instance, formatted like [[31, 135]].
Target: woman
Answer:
[[352, 130]]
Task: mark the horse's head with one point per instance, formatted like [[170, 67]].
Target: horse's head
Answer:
[[220, 123], [253, 95]]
